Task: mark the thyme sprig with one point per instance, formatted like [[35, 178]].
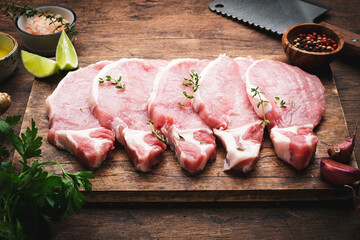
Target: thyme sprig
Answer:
[[261, 102], [155, 132], [115, 82], [192, 81], [14, 10]]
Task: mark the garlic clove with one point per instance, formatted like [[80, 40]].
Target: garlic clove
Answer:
[[5, 102], [338, 173], [343, 151]]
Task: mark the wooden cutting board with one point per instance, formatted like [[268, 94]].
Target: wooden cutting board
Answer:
[[272, 180]]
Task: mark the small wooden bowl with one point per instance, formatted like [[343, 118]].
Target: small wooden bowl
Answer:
[[306, 59]]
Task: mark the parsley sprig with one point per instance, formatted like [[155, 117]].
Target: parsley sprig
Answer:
[[34, 196], [261, 102], [13, 10], [155, 132], [115, 82], [192, 81]]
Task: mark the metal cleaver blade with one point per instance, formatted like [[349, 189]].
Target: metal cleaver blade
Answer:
[[273, 15]]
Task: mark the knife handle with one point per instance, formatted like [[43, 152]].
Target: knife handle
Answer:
[[351, 40]]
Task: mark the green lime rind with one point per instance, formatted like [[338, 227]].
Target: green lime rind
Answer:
[[66, 56], [38, 66]]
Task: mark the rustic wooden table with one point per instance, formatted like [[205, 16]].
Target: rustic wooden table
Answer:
[[171, 29]]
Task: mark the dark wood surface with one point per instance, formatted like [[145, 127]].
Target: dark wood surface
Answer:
[[171, 29]]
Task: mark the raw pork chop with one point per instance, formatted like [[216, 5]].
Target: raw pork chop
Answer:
[[185, 132], [72, 126], [223, 104], [291, 127], [125, 110]]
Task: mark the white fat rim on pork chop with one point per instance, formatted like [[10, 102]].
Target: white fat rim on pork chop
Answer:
[[197, 96], [49, 99], [94, 92], [255, 100]]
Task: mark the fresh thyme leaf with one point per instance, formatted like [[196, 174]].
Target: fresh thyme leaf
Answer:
[[282, 104], [276, 99], [240, 149], [218, 174], [192, 81], [155, 132], [292, 104], [202, 142], [261, 102], [116, 82]]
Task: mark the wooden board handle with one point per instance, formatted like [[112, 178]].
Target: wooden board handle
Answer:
[[352, 40]]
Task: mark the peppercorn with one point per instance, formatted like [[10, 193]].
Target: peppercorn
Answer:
[[314, 42]]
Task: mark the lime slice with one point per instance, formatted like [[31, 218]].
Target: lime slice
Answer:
[[65, 53], [37, 65]]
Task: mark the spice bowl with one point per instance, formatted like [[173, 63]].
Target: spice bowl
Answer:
[[43, 44], [309, 59], [9, 55]]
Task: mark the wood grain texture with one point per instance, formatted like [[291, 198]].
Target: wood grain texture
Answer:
[[352, 40], [116, 180], [296, 221]]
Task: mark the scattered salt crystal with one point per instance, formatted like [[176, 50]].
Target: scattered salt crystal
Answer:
[[40, 25]]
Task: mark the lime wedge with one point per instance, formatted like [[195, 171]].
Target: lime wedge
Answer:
[[65, 53], [37, 65]]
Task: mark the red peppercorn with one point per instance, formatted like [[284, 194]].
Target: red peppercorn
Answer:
[[314, 42]]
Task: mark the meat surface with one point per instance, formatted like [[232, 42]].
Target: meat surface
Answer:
[[291, 125], [125, 110], [223, 104], [185, 132], [72, 126]]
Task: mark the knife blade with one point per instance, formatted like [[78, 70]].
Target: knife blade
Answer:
[[272, 15], [278, 15]]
